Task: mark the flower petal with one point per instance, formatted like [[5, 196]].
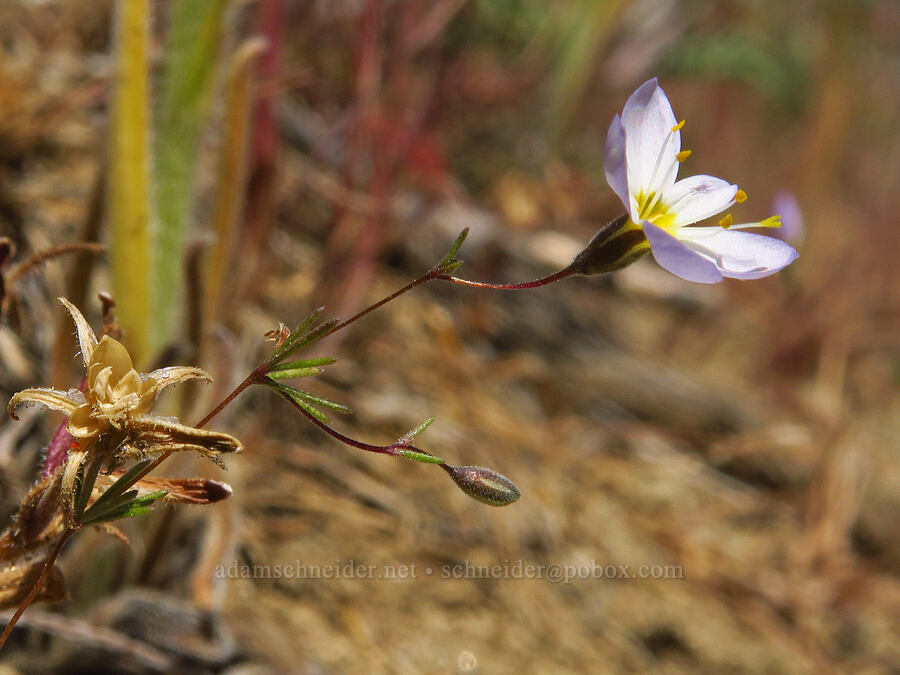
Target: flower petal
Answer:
[[650, 142], [792, 225], [87, 340], [166, 377], [162, 431], [51, 398], [112, 353], [614, 161], [697, 197], [740, 255], [678, 258], [82, 423]]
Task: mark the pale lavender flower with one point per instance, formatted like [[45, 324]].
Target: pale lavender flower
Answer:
[[643, 152], [792, 224]]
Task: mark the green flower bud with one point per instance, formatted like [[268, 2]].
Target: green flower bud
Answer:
[[484, 484]]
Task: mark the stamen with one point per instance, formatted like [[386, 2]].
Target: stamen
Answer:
[[740, 197], [683, 155], [678, 126], [771, 222], [727, 221]]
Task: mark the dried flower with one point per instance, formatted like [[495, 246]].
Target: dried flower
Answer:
[[643, 153], [110, 420]]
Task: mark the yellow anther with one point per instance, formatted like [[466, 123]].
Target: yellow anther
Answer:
[[727, 221], [740, 197], [771, 221], [678, 126], [683, 155]]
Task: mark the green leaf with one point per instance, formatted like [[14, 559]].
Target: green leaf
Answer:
[[318, 414], [410, 435], [195, 29], [128, 179], [419, 456], [116, 503], [294, 372], [308, 363], [450, 258], [314, 335], [304, 335], [324, 402], [137, 506], [117, 488]]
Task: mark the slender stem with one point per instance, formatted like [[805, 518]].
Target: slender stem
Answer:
[[258, 375], [537, 283], [35, 589], [430, 275], [352, 442], [252, 378]]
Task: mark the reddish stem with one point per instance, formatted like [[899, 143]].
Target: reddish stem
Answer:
[[35, 589]]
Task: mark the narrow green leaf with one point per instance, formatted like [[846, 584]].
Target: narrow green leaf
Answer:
[[284, 374], [195, 30], [313, 336], [307, 363], [410, 435], [423, 457], [450, 268], [117, 488], [450, 258], [135, 507], [324, 402], [128, 179], [297, 333], [93, 514], [318, 414]]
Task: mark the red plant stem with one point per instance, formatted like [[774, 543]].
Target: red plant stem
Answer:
[[557, 276], [391, 449], [258, 375], [35, 589]]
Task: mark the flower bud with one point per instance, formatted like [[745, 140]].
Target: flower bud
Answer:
[[484, 484], [615, 246]]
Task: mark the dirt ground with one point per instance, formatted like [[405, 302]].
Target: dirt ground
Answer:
[[709, 475]]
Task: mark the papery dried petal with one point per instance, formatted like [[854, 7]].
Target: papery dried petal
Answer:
[[166, 377], [69, 485], [161, 431], [180, 490], [87, 340], [51, 398], [112, 353], [83, 423]]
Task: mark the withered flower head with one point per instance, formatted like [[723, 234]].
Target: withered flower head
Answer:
[[110, 420]]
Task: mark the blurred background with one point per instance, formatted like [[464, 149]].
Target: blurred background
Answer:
[[744, 436]]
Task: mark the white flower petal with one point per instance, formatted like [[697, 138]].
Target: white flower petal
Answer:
[[650, 143], [678, 258], [614, 161], [697, 197], [739, 255]]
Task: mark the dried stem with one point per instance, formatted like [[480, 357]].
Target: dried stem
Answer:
[[32, 594]]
